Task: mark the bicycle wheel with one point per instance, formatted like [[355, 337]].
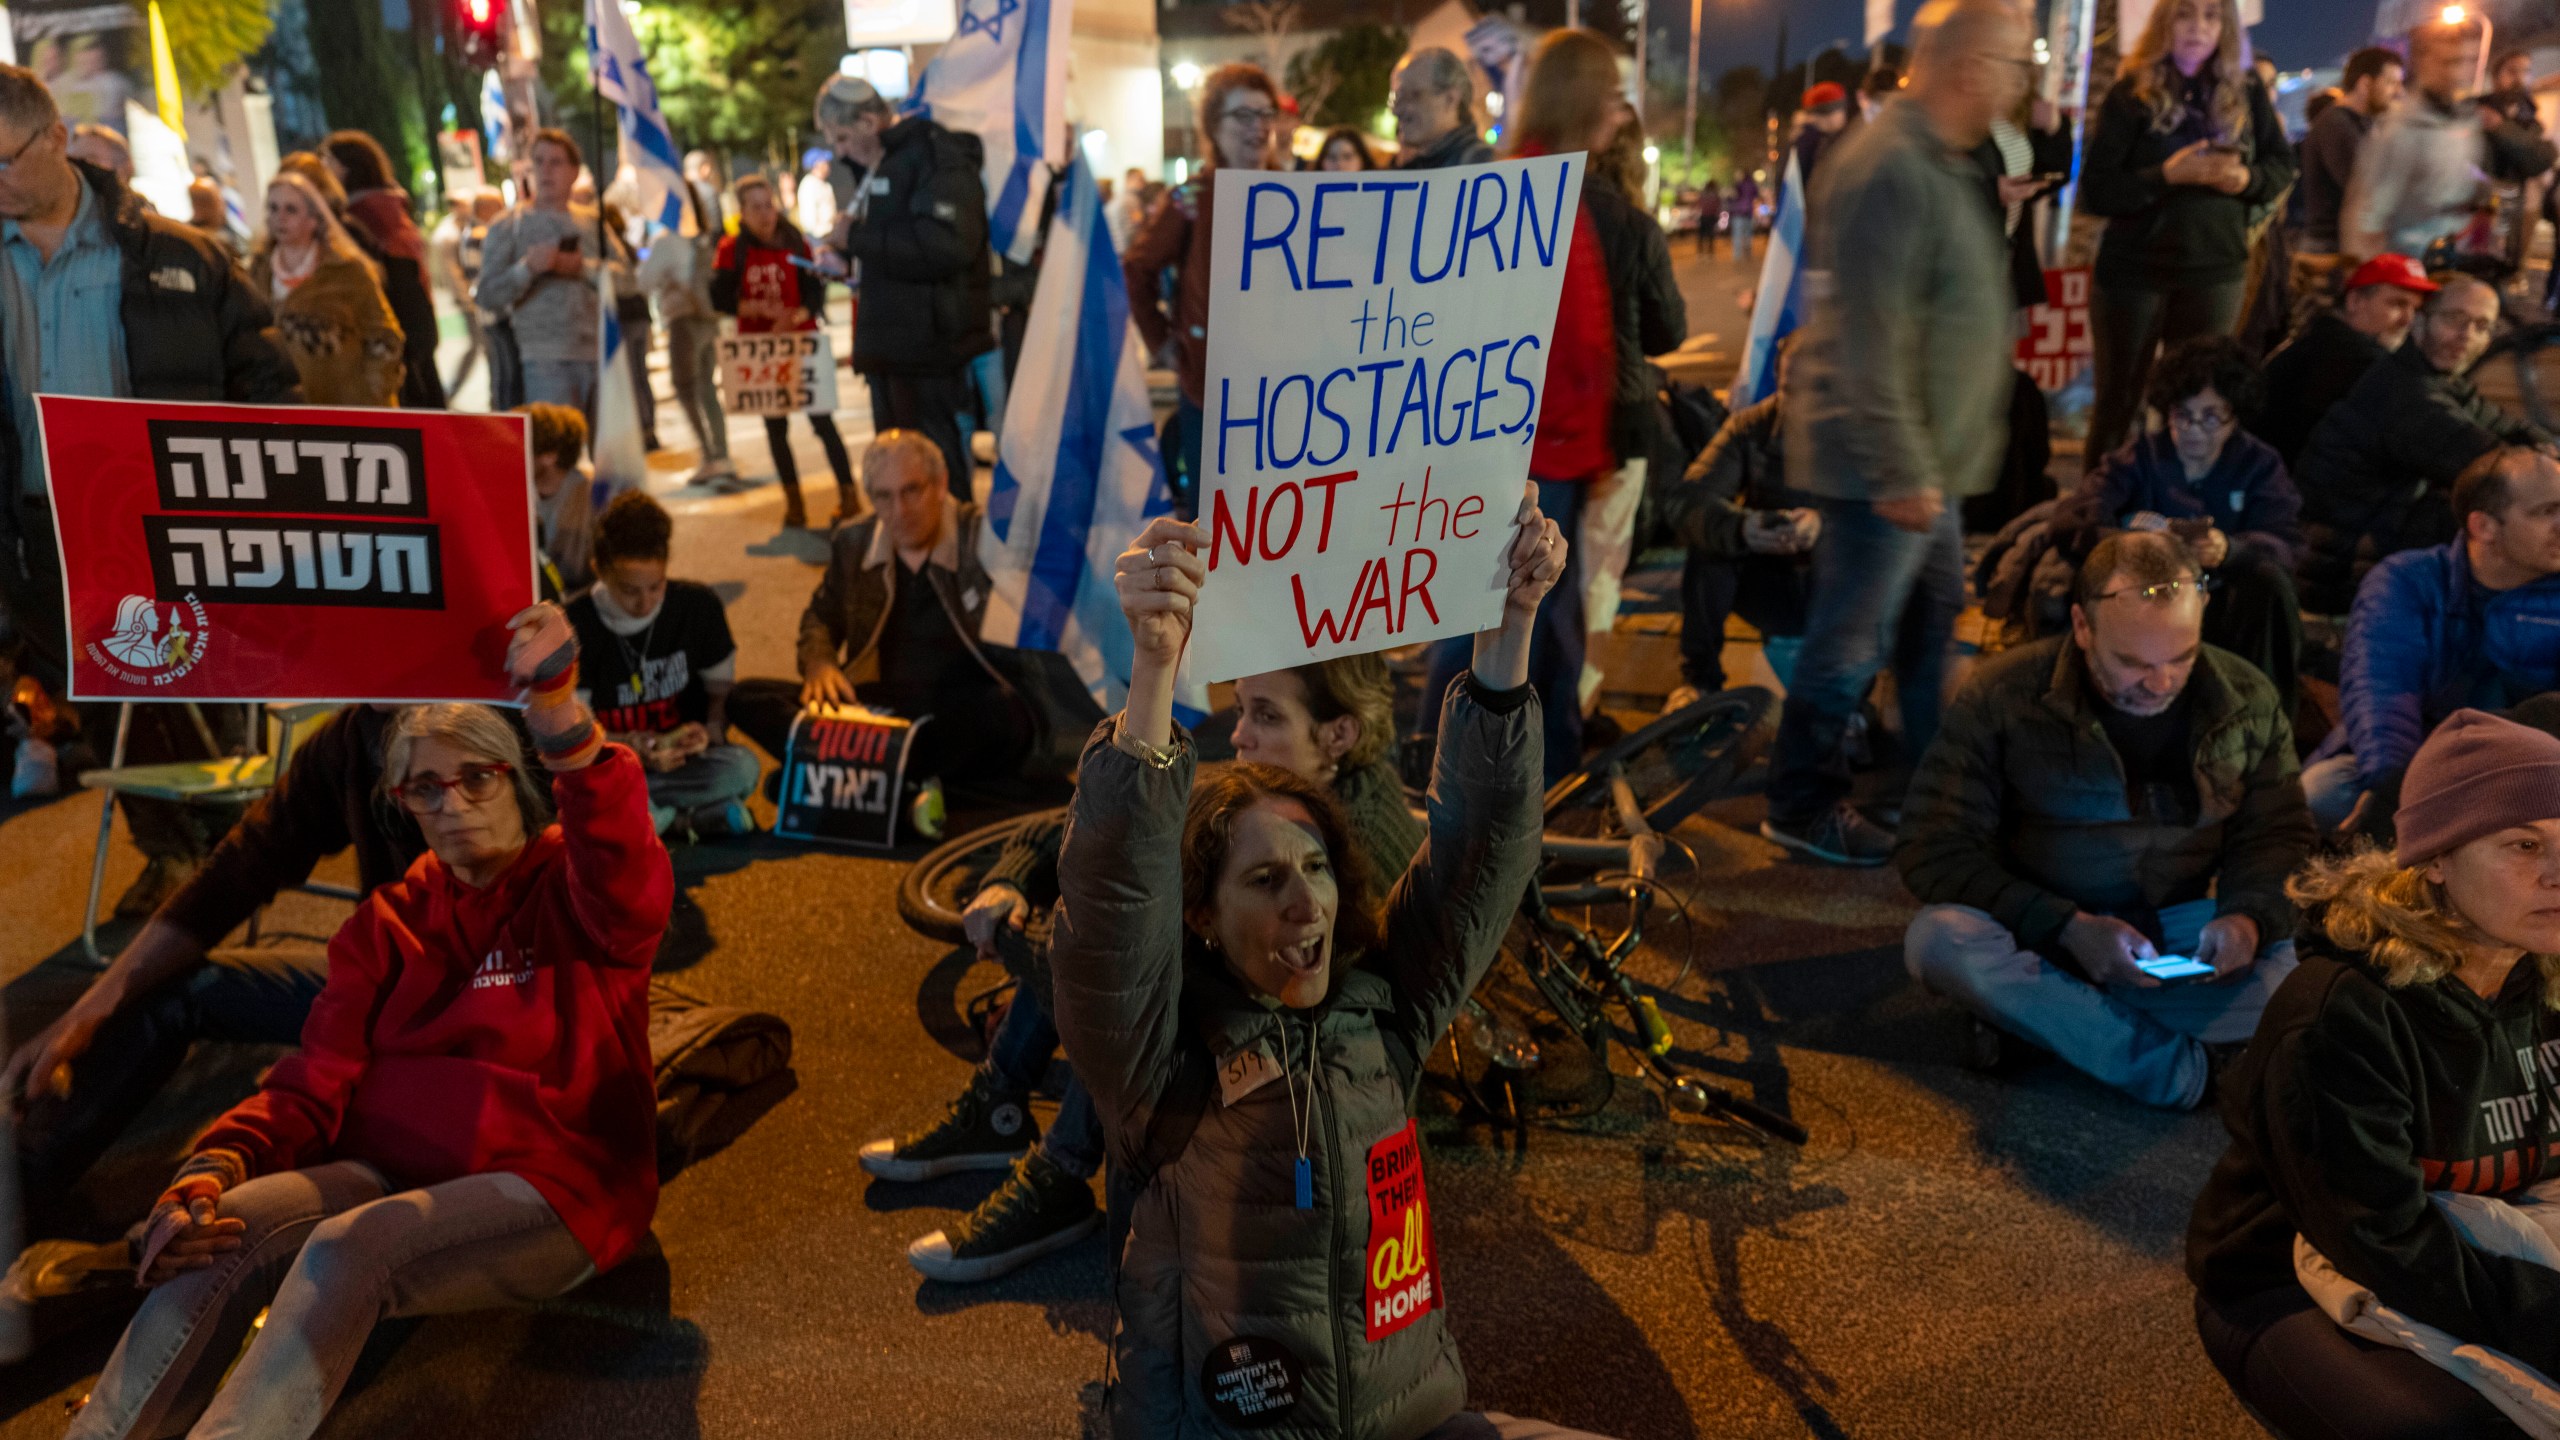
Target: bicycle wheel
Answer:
[[937, 888], [1675, 765]]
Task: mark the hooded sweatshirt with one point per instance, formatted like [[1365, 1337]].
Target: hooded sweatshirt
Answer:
[[467, 1031], [2354, 1101]]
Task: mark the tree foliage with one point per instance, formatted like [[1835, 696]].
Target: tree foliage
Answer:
[[1345, 79], [737, 76], [209, 38]]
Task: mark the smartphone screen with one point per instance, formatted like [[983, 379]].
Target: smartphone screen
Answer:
[[2174, 967]]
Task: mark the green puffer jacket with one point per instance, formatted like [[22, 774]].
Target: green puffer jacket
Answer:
[[1220, 1265], [2019, 808]]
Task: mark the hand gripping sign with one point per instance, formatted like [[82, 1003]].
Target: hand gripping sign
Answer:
[[1377, 350], [240, 553]]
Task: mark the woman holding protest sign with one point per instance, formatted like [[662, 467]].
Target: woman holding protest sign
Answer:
[[1251, 1028], [1239, 113], [470, 1120], [763, 275], [330, 311]]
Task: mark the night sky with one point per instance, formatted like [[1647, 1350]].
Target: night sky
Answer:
[[1745, 32]]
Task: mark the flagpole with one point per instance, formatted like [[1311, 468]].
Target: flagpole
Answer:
[[595, 91]]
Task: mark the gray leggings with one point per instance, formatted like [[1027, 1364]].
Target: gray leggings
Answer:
[[329, 1251]]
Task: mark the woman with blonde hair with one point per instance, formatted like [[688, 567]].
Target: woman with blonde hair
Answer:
[[2183, 161], [2410, 1054], [330, 310]]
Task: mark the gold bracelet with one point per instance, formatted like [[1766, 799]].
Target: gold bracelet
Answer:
[[1159, 756]]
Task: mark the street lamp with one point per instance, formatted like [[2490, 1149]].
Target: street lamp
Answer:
[[1186, 76], [2455, 15]]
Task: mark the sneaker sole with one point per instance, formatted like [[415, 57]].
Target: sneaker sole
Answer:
[[988, 1267], [885, 1167], [1828, 856]]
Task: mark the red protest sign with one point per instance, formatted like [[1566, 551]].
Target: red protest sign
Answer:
[[230, 552], [1403, 1270], [2057, 344]]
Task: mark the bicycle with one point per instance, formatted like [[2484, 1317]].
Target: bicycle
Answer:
[[1603, 847]]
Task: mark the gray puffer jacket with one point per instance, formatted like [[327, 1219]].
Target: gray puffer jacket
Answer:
[[1219, 1263]]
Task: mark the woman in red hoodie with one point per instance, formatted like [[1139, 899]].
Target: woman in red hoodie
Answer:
[[469, 1121]]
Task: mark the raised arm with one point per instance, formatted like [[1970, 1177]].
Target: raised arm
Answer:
[[1116, 952], [1446, 917], [621, 885]]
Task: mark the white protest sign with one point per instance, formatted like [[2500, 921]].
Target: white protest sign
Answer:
[[778, 373], [1377, 350]]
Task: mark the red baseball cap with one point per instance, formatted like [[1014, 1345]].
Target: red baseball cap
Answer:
[[1824, 96], [2395, 270]]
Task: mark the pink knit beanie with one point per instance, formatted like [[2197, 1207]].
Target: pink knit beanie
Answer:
[[2475, 776]]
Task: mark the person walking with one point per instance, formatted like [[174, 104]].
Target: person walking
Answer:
[[677, 274], [917, 230], [1239, 107], [762, 276], [2368, 89], [377, 215], [1897, 410], [2185, 154], [331, 314], [537, 271]]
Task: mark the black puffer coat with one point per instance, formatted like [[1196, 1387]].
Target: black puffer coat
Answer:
[[921, 239], [1652, 318]]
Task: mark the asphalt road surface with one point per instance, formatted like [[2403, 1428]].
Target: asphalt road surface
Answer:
[[1950, 1255]]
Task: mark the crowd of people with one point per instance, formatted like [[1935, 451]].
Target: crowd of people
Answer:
[[2170, 833]]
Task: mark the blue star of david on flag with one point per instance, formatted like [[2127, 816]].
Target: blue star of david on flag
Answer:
[[992, 26]]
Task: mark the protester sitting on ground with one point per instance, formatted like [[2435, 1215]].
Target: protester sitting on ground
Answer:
[[377, 217], [762, 276], [2404, 1059], [1750, 541], [1239, 105], [133, 306], [2221, 490], [1252, 1024], [2335, 347], [2471, 623], [1331, 724], [1433, 98], [2379, 467], [564, 506], [537, 275], [658, 668], [2053, 867], [2368, 88], [330, 312], [78, 1083], [2184, 154], [894, 624], [470, 1119]]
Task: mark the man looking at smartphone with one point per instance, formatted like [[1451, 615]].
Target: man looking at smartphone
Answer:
[[2095, 803]]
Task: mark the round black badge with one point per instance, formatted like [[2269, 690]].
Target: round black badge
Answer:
[[1252, 1382]]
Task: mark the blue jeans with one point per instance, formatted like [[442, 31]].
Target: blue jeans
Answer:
[[1555, 648], [1878, 591], [717, 776], [257, 995], [2148, 1043], [562, 382], [1018, 1058]]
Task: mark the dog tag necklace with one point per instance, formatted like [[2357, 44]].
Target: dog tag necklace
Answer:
[[1305, 1174]]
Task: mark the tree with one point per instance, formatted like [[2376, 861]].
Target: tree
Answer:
[[1273, 21], [209, 38], [1345, 79], [738, 76]]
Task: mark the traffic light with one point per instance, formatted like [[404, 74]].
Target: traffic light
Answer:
[[482, 24]]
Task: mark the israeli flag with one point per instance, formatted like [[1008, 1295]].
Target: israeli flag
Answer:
[[1780, 308], [621, 460], [648, 146], [1003, 78], [495, 127], [1077, 470]]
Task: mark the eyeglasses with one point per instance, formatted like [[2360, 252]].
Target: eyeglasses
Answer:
[[2166, 590], [427, 794], [2208, 420], [1257, 115], [20, 153]]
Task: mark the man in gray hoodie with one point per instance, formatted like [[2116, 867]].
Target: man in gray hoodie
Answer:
[[2417, 177]]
